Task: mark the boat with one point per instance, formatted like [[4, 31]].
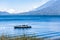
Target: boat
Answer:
[[22, 26]]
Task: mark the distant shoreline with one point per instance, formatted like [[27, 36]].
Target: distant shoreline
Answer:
[[31, 15]]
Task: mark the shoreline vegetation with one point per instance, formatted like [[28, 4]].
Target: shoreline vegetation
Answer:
[[23, 37]]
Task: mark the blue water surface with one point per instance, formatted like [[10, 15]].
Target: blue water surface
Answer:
[[41, 25]]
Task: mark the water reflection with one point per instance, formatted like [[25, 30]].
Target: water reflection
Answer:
[[7, 28]]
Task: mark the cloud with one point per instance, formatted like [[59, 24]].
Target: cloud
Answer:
[[18, 6], [14, 11], [11, 11]]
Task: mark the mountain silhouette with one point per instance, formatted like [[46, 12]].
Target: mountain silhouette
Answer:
[[50, 8], [4, 13]]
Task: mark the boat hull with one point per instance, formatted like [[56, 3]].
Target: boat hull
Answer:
[[21, 27]]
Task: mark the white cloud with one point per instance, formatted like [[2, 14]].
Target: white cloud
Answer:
[[23, 9], [14, 11], [11, 11]]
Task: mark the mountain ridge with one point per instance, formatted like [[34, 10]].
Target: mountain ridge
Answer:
[[50, 8], [53, 9]]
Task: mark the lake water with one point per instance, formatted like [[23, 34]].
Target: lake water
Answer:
[[41, 25]]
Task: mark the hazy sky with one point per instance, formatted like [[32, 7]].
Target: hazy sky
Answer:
[[15, 6]]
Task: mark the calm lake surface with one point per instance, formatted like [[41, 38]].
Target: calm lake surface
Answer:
[[40, 25]]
